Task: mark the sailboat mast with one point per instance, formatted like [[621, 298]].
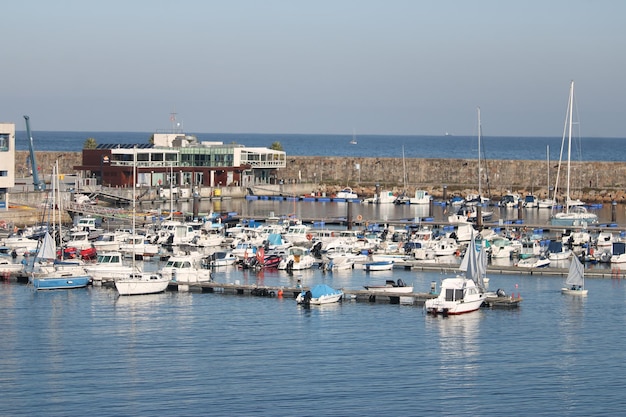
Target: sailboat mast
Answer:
[[548, 166], [134, 234], [569, 141], [403, 169], [479, 134]]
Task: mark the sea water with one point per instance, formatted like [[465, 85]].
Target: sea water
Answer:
[[91, 352], [382, 146]]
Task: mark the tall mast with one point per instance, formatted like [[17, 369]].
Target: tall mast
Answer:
[[569, 141], [479, 134], [548, 166]]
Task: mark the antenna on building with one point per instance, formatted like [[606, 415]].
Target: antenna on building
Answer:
[[173, 121]]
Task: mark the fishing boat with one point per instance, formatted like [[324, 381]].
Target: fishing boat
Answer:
[[391, 286], [319, 294], [575, 282]]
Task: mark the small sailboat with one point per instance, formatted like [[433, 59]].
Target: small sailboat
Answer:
[[45, 272], [575, 282], [353, 141], [57, 279]]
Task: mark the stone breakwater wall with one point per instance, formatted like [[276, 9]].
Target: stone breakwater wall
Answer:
[[45, 162], [591, 181]]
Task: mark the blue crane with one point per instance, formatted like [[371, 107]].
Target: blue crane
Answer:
[[39, 185]]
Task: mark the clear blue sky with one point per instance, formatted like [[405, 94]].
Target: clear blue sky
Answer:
[[323, 66]]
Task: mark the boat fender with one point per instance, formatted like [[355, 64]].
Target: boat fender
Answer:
[[359, 218]]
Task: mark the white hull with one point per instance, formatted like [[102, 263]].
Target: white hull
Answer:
[[389, 289], [324, 299], [570, 291], [534, 263], [140, 284], [458, 296], [378, 266]]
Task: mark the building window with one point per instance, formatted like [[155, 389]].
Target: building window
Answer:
[[4, 142]]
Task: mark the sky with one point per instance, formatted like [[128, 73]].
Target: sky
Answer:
[[397, 67]]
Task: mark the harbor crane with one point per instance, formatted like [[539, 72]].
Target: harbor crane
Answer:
[[40, 185]]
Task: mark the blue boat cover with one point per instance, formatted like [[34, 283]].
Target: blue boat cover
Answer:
[[275, 239], [322, 289]]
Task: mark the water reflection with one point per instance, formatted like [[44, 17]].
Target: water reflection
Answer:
[[458, 347], [376, 212]]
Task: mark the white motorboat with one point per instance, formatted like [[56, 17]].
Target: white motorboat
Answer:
[[138, 245], [534, 262], [557, 251], [185, 270], [221, 258], [109, 241], [384, 197], [391, 286], [109, 266], [385, 265], [78, 239], [139, 283], [8, 267], [531, 201], [347, 193], [297, 258], [421, 197], [462, 294], [458, 295], [319, 294]]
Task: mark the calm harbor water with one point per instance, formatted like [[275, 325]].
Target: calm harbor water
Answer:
[[68, 353], [88, 351]]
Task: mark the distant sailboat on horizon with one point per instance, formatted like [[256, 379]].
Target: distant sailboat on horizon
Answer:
[[353, 141]]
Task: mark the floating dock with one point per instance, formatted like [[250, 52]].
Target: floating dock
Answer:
[[368, 296]]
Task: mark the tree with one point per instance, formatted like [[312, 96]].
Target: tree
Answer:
[[276, 146], [90, 143]]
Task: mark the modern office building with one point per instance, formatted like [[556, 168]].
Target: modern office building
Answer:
[[178, 159]]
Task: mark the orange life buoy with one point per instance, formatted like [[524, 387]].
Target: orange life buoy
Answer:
[[359, 218], [309, 236]]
